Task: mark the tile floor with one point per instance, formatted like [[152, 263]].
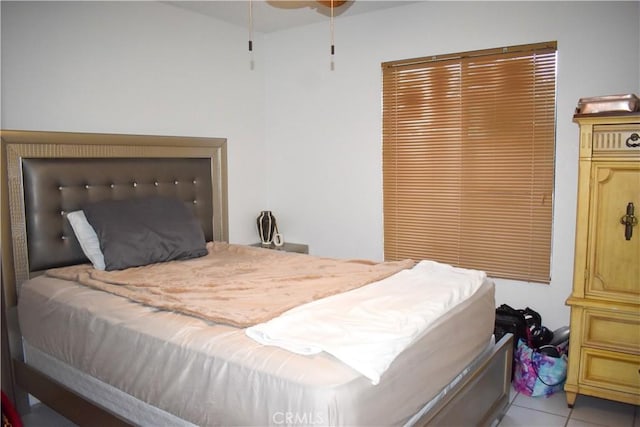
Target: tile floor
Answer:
[[553, 411], [523, 411], [42, 416]]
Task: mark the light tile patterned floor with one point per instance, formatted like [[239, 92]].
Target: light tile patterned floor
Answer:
[[553, 411], [523, 411], [42, 416]]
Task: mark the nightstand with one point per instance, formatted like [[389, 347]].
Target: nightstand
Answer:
[[287, 247]]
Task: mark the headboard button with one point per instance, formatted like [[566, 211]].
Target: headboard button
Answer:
[[155, 183], [60, 187], [195, 202], [63, 237], [62, 213], [194, 182], [86, 186], [175, 182], [135, 184], [112, 185]]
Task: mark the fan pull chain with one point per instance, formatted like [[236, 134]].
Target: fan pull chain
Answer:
[[251, 25], [333, 47]]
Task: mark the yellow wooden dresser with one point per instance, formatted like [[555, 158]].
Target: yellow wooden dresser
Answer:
[[604, 347]]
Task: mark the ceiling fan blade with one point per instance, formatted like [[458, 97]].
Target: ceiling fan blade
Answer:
[[336, 3], [319, 5], [289, 4]]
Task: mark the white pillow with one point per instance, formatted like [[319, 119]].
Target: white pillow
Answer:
[[87, 237]]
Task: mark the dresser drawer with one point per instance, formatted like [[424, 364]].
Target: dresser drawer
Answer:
[[615, 371], [620, 139], [612, 330]]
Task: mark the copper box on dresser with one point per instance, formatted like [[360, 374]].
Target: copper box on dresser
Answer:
[[611, 103]]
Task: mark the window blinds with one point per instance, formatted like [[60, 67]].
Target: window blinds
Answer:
[[468, 159]]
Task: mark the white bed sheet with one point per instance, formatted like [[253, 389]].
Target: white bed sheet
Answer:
[[210, 374]]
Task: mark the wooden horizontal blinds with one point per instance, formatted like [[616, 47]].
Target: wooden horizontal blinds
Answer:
[[468, 160]]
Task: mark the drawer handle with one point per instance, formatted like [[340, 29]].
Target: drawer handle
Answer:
[[634, 137], [629, 221]]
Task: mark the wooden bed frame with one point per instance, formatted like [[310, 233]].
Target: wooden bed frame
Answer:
[[478, 399]]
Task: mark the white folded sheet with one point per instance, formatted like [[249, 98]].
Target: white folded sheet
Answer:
[[367, 328]]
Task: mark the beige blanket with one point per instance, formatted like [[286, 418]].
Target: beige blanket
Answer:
[[233, 284]]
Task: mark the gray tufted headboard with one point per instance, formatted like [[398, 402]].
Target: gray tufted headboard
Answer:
[[47, 174]]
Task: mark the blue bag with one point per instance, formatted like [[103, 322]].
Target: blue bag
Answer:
[[538, 374]]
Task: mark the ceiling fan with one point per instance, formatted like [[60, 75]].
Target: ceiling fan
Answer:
[[334, 3], [329, 8], [321, 6]]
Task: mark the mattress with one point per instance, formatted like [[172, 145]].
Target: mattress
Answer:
[[212, 374]]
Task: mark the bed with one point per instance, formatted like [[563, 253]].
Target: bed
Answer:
[[101, 359]]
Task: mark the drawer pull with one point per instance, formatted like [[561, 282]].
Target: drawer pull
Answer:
[[634, 137], [629, 221]]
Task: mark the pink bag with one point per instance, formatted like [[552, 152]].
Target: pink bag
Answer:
[[537, 373]]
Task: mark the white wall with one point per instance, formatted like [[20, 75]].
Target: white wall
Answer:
[[139, 68], [304, 140], [324, 127]]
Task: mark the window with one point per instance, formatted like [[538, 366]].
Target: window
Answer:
[[468, 159]]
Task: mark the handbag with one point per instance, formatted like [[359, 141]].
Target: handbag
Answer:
[[537, 373], [510, 320]]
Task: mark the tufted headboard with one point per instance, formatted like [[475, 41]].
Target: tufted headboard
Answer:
[[48, 174]]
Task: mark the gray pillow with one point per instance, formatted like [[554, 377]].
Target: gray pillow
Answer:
[[144, 231]]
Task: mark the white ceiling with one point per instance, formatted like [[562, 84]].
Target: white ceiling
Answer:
[[276, 15]]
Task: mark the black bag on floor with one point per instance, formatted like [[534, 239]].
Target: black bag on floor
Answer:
[[510, 320]]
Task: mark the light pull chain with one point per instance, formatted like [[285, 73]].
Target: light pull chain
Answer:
[[251, 25], [333, 47]]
